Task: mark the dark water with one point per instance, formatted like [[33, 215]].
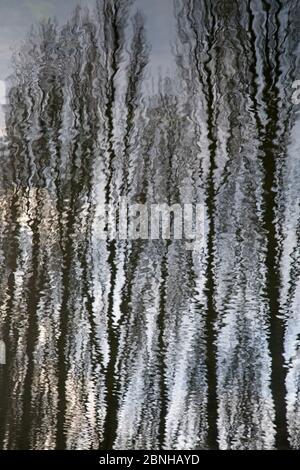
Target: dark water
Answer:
[[143, 344]]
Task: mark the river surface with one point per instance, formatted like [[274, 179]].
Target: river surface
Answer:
[[134, 343]]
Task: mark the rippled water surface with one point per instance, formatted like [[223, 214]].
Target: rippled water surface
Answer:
[[139, 343]]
